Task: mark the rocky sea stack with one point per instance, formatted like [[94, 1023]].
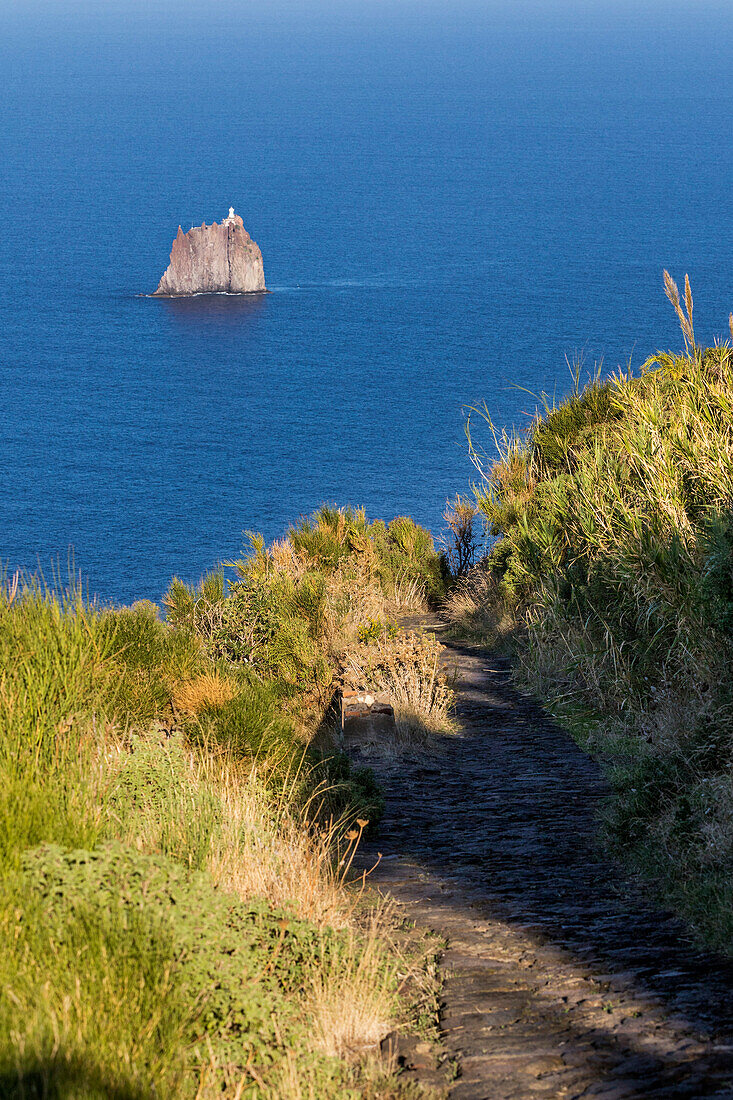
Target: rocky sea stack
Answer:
[[213, 259]]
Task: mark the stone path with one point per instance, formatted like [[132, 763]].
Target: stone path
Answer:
[[562, 980]]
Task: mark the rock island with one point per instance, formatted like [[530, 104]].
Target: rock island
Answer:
[[213, 259]]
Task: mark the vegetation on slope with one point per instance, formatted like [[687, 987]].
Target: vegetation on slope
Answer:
[[612, 574], [320, 606], [174, 855]]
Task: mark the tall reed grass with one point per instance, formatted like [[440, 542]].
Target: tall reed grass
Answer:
[[612, 568]]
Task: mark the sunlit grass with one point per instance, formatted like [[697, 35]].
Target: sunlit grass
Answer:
[[612, 574]]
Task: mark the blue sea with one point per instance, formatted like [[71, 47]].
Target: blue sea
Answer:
[[450, 198]]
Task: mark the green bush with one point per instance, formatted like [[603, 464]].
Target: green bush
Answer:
[[268, 620], [395, 552], [125, 972], [89, 1002], [330, 536], [251, 724], [140, 969], [274, 616], [614, 546], [285, 618], [348, 793]]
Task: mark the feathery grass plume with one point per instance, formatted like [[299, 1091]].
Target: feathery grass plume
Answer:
[[478, 609], [672, 291]]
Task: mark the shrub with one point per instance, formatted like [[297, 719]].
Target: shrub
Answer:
[[147, 795], [615, 555], [192, 970], [394, 552], [248, 725], [347, 793], [89, 1002], [406, 668], [460, 546], [291, 611]]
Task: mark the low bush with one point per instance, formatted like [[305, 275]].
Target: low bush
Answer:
[[221, 983], [298, 613], [406, 668], [90, 1004], [394, 553]]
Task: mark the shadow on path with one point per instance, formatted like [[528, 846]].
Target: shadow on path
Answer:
[[563, 979]]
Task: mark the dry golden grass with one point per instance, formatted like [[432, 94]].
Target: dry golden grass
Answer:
[[476, 610], [253, 842], [373, 1078], [352, 997], [409, 595], [263, 846], [284, 559], [264, 850], [293, 1083], [355, 596], [407, 670], [212, 689]]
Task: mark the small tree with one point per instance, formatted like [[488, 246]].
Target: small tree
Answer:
[[459, 544]]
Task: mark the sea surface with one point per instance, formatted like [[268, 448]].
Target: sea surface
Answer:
[[450, 200]]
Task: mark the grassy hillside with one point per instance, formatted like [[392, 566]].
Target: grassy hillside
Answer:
[[175, 855], [611, 574]]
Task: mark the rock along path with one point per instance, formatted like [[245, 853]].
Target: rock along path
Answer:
[[562, 978]]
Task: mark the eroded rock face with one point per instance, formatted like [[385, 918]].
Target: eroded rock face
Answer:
[[212, 259]]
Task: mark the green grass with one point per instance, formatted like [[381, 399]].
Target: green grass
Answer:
[[285, 606], [123, 970], [139, 969], [613, 560], [154, 778], [395, 552]]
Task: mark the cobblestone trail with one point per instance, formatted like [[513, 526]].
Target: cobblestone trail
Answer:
[[562, 979]]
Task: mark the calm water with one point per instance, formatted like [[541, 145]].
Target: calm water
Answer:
[[449, 199]]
